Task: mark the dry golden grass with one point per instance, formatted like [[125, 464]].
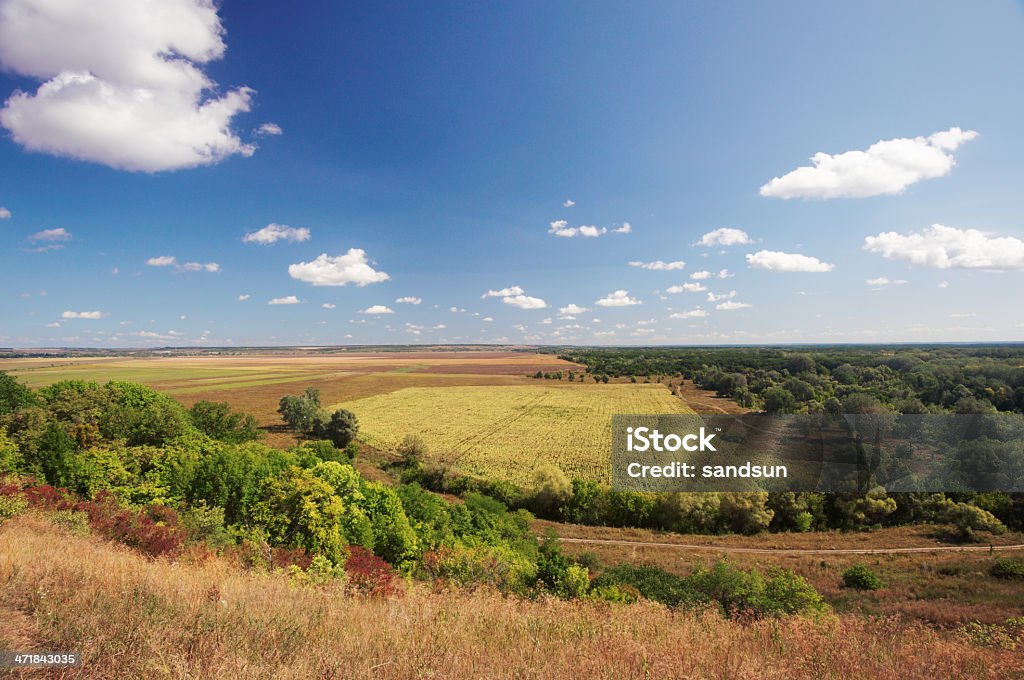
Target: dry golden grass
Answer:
[[131, 617]]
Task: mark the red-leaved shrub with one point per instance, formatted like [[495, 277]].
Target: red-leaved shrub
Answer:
[[370, 575]]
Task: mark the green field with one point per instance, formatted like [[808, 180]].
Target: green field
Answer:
[[505, 432]]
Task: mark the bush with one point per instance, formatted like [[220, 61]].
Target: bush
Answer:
[[1008, 568], [651, 582], [861, 577], [11, 506], [739, 592]]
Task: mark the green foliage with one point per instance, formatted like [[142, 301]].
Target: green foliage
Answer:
[[551, 490], [205, 523], [13, 395], [652, 583], [321, 572], [10, 456], [412, 450], [1009, 568], [11, 506], [301, 411], [74, 522], [739, 592], [479, 564], [340, 429], [393, 536], [861, 577], [217, 421]]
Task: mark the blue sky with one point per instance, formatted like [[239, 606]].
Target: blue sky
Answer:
[[438, 143]]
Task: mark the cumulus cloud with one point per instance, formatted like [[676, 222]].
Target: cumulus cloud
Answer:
[[503, 292], [659, 265], [776, 261], [687, 288], [286, 300], [626, 228], [83, 315], [561, 228], [724, 236], [618, 298], [524, 302], [568, 203], [171, 261], [5, 214], [243, 297], [704, 275], [328, 305], [273, 232], [199, 267], [377, 309], [339, 270], [696, 313], [885, 167], [950, 248], [572, 309], [732, 305], [712, 297], [409, 300], [51, 235], [122, 82], [885, 281], [269, 129]]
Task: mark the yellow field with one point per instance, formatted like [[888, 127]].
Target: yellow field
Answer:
[[505, 432]]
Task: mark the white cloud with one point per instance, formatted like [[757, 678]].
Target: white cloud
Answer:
[[273, 232], [171, 261], [83, 315], [328, 305], [504, 292], [51, 235], [886, 167], [724, 236], [885, 281], [944, 284], [524, 302], [572, 309], [286, 300], [200, 267], [53, 324], [696, 313], [562, 228], [568, 203], [340, 270], [269, 129], [5, 214], [377, 309], [721, 296], [659, 265], [701, 275], [626, 228], [618, 298], [409, 300], [687, 288], [950, 248], [732, 305], [243, 297], [122, 83], [776, 261]]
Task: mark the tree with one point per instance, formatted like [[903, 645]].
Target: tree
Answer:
[[340, 429], [216, 420], [551, 490], [301, 411], [13, 395], [779, 400]]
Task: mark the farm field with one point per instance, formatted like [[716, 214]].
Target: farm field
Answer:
[[255, 382], [507, 432]]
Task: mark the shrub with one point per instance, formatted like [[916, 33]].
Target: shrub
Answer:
[[76, 523], [861, 577], [739, 592], [1008, 568], [11, 506], [653, 583], [370, 575]]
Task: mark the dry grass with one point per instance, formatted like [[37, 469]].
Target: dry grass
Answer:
[[142, 619]]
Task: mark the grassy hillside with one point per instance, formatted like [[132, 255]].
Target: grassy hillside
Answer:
[[135, 617]]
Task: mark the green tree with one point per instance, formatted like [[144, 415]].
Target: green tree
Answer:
[[340, 429], [217, 420]]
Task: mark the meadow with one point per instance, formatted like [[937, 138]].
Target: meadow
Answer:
[[508, 432], [134, 617]]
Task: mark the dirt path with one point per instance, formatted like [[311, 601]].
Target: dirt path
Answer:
[[795, 551]]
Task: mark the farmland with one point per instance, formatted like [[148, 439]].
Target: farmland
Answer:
[[507, 432]]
